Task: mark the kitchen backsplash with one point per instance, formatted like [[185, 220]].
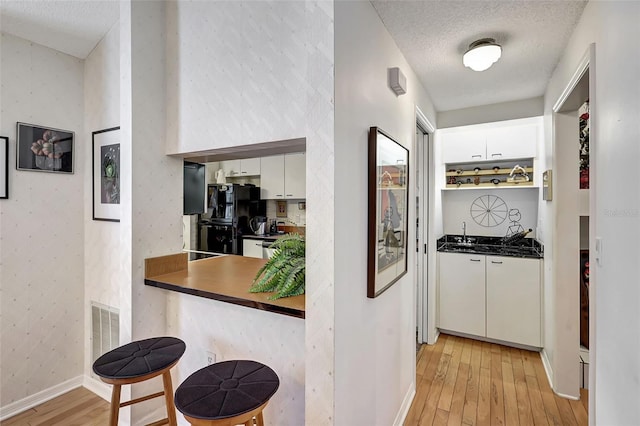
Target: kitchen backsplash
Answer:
[[490, 212], [295, 216]]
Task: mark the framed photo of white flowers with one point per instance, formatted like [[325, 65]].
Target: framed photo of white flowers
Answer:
[[106, 174], [44, 149]]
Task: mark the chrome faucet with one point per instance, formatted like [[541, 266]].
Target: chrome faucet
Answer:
[[464, 233]]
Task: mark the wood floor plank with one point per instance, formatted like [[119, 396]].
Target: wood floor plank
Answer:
[[535, 397], [566, 413], [486, 355], [483, 416], [424, 386], [497, 390], [582, 418], [511, 416], [459, 393], [441, 418], [446, 395], [78, 407], [522, 394], [471, 396], [584, 397], [431, 405], [548, 396]]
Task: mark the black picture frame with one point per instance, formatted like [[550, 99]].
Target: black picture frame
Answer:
[[388, 181], [44, 149], [105, 174], [4, 167]]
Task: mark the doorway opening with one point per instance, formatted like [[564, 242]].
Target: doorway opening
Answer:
[[574, 253], [424, 202]]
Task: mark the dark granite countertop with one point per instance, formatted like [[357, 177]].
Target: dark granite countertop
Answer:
[[266, 237], [492, 246]]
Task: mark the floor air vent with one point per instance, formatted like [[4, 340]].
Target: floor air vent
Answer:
[[105, 329]]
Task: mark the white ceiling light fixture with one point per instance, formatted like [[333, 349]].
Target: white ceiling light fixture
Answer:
[[482, 54]]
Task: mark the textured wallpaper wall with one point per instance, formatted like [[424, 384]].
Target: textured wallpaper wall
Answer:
[[101, 239], [41, 227], [247, 72]]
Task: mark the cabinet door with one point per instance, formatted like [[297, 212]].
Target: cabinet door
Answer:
[[513, 300], [512, 142], [461, 147], [295, 182], [250, 166], [272, 177], [461, 293], [252, 248], [231, 168]]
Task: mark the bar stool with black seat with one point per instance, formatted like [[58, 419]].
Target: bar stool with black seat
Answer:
[[227, 393], [136, 362]]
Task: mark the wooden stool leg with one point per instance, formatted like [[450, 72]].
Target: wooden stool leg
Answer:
[[115, 405], [259, 419], [249, 422], [168, 397]]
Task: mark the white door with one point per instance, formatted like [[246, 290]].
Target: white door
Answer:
[[272, 177], [513, 300], [461, 293]]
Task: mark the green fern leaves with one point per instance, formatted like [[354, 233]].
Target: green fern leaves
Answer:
[[284, 273]]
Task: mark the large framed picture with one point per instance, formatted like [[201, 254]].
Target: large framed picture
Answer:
[[44, 149], [388, 213], [4, 167], [106, 174]]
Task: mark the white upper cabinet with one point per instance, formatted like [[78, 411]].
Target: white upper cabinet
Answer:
[[505, 140], [295, 182], [512, 142], [283, 176], [272, 177], [244, 167], [464, 147]]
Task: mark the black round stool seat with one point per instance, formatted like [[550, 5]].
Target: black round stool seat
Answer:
[[226, 389], [139, 358]]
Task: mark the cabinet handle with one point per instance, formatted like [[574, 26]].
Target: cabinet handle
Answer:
[[477, 156], [496, 154], [497, 263], [289, 195], [475, 260], [278, 195], [244, 172]]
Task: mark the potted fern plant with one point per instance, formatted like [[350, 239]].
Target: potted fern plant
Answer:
[[284, 273]]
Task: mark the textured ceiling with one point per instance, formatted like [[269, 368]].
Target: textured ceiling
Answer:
[[433, 35], [72, 27]]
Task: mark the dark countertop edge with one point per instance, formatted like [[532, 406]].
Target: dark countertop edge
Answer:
[[521, 256], [271, 237], [228, 299]]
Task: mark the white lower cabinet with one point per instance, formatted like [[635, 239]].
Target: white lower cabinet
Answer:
[[461, 294], [513, 300], [252, 248], [490, 296]]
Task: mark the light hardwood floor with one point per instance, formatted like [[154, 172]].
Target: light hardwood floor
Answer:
[[467, 382], [78, 407]]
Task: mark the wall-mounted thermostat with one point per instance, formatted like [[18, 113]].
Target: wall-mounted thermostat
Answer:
[[397, 81]]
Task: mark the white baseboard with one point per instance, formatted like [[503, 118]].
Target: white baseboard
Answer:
[[31, 401], [406, 404], [98, 387], [549, 371]]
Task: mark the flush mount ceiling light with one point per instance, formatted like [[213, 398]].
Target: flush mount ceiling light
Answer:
[[482, 54]]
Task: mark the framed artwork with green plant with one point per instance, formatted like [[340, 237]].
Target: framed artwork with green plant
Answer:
[[284, 272], [106, 174]]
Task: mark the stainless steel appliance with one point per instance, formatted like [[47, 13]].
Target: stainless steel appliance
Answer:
[[230, 208]]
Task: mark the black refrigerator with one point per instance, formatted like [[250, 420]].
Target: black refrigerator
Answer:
[[229, 209]]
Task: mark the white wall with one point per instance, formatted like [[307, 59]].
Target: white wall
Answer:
[[375, 338], [41, 228], [102, 239], [245, 72], [615, 134], [456, 206], [524, 108]]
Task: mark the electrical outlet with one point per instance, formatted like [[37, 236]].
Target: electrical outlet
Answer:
[[211, 358]]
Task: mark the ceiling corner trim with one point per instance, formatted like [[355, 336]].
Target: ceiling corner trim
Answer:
[[424, 121]]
